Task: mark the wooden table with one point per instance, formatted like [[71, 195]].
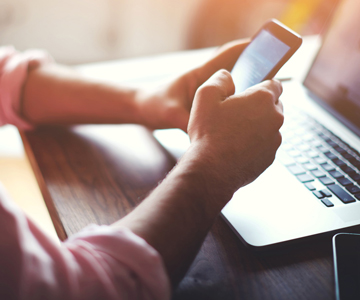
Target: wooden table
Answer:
[[98, 173]]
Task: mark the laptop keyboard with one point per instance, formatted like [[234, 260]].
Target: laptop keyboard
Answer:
[[320, 160]]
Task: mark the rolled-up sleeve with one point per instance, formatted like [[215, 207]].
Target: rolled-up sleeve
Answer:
[[14, 67], [97, 263]]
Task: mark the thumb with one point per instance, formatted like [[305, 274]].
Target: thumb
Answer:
[[217, 88], [224, 58]]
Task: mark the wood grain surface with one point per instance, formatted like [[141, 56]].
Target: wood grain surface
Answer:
[[99, 173], [94, 174]]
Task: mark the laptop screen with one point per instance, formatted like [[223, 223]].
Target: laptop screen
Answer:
[[335, 74]]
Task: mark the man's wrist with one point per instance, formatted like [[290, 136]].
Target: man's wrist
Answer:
[[143, 108], [206, 177]]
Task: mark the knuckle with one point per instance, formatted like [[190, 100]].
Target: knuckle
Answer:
[[265, 95], [226, 80], [280, 119], [171, 111], [275, 121], [276, 86], [225, 73], [208, 90]]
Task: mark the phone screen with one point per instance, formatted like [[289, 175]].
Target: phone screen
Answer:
[[347, 266], [257, 60]]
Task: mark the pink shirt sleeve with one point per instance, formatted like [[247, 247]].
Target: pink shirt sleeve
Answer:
[[97, 263], [14, 68]]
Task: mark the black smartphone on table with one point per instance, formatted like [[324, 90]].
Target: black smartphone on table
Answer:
[[268, 51], [346, 251]]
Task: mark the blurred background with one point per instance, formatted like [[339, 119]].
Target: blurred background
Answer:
[[81, 31]]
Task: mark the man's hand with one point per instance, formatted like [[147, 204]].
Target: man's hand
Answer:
[[235, 138], [169, 105]]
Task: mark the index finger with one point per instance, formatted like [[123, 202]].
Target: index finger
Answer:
[[274, 85]]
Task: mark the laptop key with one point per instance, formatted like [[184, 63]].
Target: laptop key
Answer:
[[355, 176], [353, 189], [310, 186], [302, 159], [341, 194], [296, 170], [338, 162], [318, 173], [344, 181], [322, 135], [322, 149], [303, 147], [315, 143], [339, 149], [296, 141], [305, 178], [327, 202], [326, 193], [284, 158], [310, 167], [349, 157], [312, 154], [336, 174], [309, 136], [326, 180], [286, 146], [331, 143], [347, 169], [294, 153], [356, 164], [328, 167], [318, 194], [357, 196], [330, 155], [320, 160]]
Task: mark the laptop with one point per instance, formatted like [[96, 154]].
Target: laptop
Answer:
[[313, 186]]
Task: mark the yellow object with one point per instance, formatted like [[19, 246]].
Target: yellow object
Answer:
[[299, 12]]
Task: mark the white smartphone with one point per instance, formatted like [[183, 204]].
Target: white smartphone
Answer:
[[268, 51]]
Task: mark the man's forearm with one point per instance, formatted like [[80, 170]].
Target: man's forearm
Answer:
[[57, 95], [177, 215]]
